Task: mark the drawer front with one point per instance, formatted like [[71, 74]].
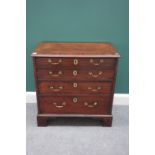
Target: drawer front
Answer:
[[48, 74], [74, 62], [75, 105], [75, 87]]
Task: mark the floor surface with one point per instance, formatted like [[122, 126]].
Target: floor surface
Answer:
[[76, 136]]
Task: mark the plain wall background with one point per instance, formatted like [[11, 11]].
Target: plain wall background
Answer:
[[79, 21]]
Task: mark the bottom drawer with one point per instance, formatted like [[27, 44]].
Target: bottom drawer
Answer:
[[75, 104]]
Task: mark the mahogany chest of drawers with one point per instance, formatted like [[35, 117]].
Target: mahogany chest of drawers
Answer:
[[75, 80]]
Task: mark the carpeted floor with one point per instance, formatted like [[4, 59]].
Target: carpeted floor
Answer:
[[78, 136]]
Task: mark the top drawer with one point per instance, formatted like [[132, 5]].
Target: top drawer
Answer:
[[75, 62]]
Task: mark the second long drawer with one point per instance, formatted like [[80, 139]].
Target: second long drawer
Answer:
[[93, 75], [54, 87]]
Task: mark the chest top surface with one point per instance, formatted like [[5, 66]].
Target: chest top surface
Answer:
[[47, 49]]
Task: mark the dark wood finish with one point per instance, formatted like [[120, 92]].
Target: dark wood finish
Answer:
[[82, 75], [48, 49], [107, 121], [61, 62], [43, 119], [75, 104], [36, 80], [75, 80], [74, 87]]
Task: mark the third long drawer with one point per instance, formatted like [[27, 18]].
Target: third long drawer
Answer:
[[75, 87]]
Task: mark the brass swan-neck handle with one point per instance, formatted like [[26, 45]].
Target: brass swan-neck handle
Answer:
[[96, 63], [58, 105], [95, 89], [95, 75], [55, 62], [91, 105], [55, 75], [56, 88]]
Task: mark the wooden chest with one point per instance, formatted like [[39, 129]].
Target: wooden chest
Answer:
[[75, 80]]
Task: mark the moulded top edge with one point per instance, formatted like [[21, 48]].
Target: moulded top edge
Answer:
[[82, 56]]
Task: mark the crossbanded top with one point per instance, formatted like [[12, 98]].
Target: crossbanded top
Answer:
[[46, 49]]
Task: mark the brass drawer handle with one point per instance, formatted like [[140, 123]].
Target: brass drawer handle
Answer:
[[95, 75], [76, 61], [59, 106], [59, 88], [55, 75], [95, 63], [90, 105], [75, 100], [75, 73], [94, 89], [54, 63]]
